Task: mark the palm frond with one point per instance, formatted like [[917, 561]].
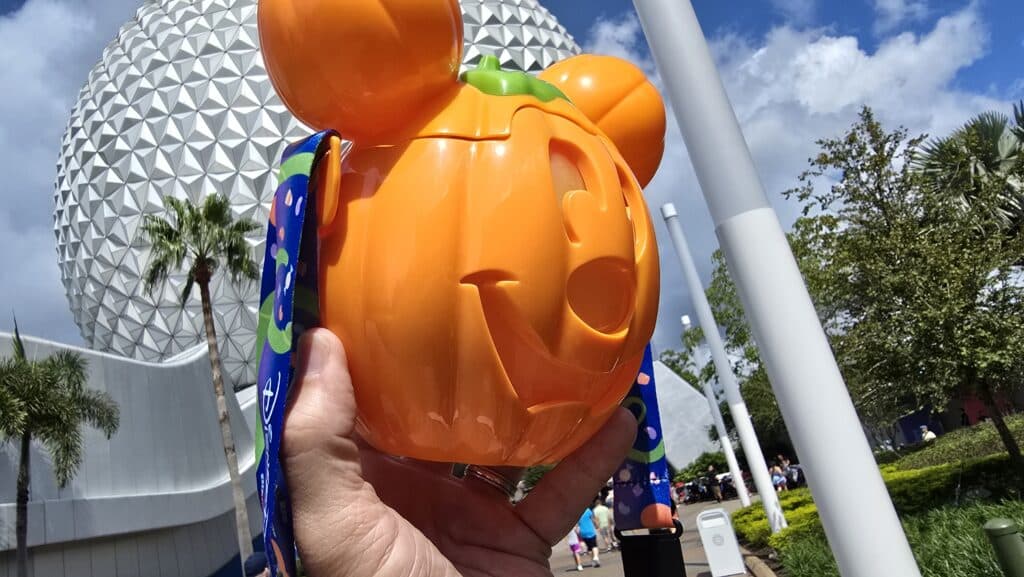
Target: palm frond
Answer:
[[158, 270], [65, 449], [98, 409], [12, 411], [168, 247], [187, 291], [217, 211], [68, 369], [244, 227], [19, 345], [1018, 118]]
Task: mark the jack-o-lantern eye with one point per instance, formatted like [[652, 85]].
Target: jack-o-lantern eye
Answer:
[[565, 174], [565, 177]]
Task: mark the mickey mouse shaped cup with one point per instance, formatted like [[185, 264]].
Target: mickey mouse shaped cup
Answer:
[[485, 253]]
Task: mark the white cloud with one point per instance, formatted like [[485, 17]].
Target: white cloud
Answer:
[[47, 47], [891, 13], [797, 11], [790, 88]]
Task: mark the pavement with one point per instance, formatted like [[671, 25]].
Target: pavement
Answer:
[[611, 562]]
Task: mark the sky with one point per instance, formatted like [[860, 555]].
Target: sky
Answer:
[[795, 71]]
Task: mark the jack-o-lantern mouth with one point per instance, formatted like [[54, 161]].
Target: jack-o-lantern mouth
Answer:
[[536, 372]]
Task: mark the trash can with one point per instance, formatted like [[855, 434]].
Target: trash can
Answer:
[[720, 546]]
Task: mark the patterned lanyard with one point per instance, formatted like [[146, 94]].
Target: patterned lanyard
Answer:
[[289, 304]]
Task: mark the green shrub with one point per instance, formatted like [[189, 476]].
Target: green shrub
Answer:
[[752, 525], [803, 521], [981, 440], [795, 498], [912, 492], [989, 478]]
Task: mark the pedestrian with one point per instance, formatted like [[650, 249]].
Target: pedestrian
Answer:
[[574, 545], [790, 472], [588, 532], [604, 524], [926, 435], [256, 565], [778, 479], [714, 484]]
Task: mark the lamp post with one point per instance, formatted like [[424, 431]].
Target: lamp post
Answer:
[[737, 408], [859, 519], [723, 434]]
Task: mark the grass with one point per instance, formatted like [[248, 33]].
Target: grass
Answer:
[[947, 542]]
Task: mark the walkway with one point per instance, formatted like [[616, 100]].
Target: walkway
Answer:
[[611, 563]]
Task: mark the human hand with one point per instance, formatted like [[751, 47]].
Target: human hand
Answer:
[[359, 513]]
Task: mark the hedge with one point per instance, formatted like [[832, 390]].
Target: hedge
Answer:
[[912, 492], [978, 441]]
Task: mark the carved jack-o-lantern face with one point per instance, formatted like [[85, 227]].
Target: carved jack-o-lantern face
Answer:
[[486, 257], [494, 288]]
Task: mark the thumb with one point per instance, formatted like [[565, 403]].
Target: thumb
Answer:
[[320, 422], [341, 526]]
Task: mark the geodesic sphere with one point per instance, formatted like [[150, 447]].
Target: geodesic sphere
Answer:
[[180, 104]]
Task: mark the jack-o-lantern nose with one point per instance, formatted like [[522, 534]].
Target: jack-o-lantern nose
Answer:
[[602, 294]]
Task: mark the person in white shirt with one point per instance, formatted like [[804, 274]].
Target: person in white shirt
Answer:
[[926, 435]]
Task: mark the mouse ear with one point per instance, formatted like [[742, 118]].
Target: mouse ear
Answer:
[[617, 97], [360, 66]]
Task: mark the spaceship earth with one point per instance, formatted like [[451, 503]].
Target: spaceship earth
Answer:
[[180, 105]]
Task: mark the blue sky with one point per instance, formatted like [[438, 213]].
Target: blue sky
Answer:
[[795, 71], [995, 73]]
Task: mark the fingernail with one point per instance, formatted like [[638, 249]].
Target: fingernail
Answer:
[[317, 352]]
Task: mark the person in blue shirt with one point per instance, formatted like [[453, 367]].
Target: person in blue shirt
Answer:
[[588, 533]]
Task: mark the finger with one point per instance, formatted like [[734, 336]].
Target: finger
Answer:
[[562, 495]]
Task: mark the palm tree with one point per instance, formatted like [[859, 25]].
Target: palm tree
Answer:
[[201, 239], [12, 412], [986, 150], [50, 403]]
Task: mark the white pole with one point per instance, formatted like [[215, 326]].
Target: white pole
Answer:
[[858, 516], [738, 409], [723, 433]]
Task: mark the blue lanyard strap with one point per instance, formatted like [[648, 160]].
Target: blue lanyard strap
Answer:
[[642, 499], [288, 305]]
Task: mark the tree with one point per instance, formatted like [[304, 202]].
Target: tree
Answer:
[[684, 362], [699, 467], [202, 240], [923, 294], [754, 386], [50, 403], [985, 152]]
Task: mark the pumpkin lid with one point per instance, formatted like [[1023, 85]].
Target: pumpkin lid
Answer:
[[489, 78], [482, 107]]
